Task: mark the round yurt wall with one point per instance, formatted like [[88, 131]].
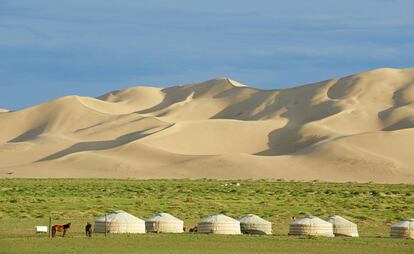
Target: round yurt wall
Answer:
[[403, 229], [164, 223], [219, 224], [119, 222], [312, 226], [342, 226], [253, 224]]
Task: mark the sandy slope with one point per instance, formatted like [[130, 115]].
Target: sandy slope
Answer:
[[356, 128]]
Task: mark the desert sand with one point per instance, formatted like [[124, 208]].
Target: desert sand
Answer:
[[356, 128]]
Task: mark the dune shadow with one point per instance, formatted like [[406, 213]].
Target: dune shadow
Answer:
[[99, 145], [289, 139], [406, 123], [285, 142], [176, 94], [399, 101], [247, 109], [187, 92], [29, 135]]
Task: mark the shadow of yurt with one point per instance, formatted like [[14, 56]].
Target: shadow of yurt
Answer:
[[119, 222]]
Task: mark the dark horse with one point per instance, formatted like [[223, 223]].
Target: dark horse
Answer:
[[88, 229], [60, 228]]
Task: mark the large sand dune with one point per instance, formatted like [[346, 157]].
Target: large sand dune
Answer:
[[356, 128]]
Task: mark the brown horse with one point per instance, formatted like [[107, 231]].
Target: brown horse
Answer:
[[88, 229], [60, 228]]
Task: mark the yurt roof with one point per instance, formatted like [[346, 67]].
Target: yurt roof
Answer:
[[218, 218], [404, 224], [254, 219], [163, 217], [338, 220], [118, 216], [311, 220]]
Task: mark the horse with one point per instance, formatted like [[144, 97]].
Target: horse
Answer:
[[193, 230], [60, 228], [88, 229]]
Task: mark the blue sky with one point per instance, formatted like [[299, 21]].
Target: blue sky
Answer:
[[53, 48]]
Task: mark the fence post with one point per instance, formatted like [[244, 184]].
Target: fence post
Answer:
[[105, 225], [50, 226]]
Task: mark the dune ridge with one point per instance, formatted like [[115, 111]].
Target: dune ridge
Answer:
[[355, 128]]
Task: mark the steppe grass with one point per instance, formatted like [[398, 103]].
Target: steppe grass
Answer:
[[25, 203], [198, 243]]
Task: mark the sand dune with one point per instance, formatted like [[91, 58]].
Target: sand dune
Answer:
[[355, 128]]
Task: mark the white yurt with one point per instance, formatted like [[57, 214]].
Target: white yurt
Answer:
[[403, 229], [219, 224], [253, 224], [164, 223], [342, 226], [312, 226], [119, 222]]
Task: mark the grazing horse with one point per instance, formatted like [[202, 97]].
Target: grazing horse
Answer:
[[60, 228], [88, 229]]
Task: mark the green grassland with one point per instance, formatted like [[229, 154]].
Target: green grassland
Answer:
[[25, 203]]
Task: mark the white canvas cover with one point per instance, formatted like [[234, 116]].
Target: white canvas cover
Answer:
[[219, 224], [253, 224], [119, 222], [403, 229], [41, 229], [342, 226], [312, 226], [164, 223]]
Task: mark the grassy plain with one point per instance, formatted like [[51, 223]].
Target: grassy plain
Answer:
[[25, 203]]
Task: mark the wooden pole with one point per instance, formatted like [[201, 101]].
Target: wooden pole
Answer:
[[106, 221], [50, 226]]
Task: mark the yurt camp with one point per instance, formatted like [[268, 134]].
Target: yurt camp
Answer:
[[119, 222], [253, 224], [219, 224], [342, 226], [311, 226], [164, 223], [403, 229]]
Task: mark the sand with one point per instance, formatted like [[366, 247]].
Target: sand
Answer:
[[356, 128]]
